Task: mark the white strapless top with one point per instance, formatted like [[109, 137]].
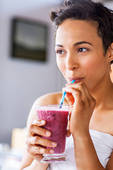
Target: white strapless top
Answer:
[[103, 144]]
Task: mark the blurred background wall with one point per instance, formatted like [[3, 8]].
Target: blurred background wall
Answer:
[[22, 81]]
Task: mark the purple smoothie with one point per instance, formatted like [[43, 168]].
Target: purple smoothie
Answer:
[[56, 122]]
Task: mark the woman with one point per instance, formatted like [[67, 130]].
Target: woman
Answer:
[[84, 52]]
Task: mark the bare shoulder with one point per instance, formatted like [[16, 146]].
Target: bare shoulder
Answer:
[[47, 99]]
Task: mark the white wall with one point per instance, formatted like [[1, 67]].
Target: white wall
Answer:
[[109, 5], [21, 82]]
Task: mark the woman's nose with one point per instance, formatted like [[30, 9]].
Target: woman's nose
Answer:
[[71, 62]]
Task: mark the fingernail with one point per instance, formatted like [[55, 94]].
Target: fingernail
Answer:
[[42, 121], [41, 150], [51, 151], [54, 144], [48, 133], [35, 122], [39, 122]]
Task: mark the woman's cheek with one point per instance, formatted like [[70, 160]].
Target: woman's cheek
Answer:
[[89, 65], [61, 66], [93, 61]]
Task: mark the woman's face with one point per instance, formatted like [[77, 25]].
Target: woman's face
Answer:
[[80, 53]]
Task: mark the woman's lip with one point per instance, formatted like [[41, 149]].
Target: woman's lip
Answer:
[[77, 79]]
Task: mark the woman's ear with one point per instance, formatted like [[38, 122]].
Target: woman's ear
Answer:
[[110, 53]]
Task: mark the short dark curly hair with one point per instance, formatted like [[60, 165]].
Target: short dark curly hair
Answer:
[[90, 11]]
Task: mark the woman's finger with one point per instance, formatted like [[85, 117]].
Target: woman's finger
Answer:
[[38, 150], [76, 93], [36, 140], [35, 130], [82, 92], [89, 97], [70, 98]]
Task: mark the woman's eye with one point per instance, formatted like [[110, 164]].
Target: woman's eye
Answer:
[[59, 51], [82, 50]]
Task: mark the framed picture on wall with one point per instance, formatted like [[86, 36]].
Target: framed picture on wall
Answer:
[[29, 39]]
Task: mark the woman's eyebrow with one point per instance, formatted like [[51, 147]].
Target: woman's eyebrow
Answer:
[[82, 42], [76, 44], [58, 45]]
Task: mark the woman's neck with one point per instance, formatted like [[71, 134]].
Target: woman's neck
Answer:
[[104, 95]]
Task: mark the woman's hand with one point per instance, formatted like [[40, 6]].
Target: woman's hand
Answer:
[[36, 144], [82, 105]]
